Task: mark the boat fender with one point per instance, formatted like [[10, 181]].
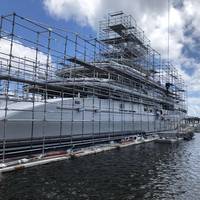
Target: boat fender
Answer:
[[2, 165]]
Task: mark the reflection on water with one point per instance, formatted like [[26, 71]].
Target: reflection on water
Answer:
[[147, 171]]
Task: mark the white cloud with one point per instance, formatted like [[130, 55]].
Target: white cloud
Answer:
[[20, 54], [152, 16], [83, 11], [194, 106]]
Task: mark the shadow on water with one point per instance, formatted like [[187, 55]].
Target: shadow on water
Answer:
[[147, 171]]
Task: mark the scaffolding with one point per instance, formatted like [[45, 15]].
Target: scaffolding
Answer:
[[59, 89]]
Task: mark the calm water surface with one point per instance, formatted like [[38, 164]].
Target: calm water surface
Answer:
[[147, 171]]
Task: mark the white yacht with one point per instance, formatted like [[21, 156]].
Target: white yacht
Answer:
[[109, 87]]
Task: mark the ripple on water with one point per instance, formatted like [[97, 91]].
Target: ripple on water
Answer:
[[148, 171]]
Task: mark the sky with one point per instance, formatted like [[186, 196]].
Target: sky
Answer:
[[152, 15]]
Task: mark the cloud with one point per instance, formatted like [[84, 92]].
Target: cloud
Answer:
[[21, 54], [152, 16], [194, 106], [83, 11]]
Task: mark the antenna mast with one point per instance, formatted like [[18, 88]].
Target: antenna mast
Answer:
[[168, 57]]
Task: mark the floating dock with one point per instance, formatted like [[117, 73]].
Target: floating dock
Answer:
[[23, 163], [183, 133], [15, 165], [168, 140]]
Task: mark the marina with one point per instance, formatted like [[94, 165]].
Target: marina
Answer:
[[99, 100]]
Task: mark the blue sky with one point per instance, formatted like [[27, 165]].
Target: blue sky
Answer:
[[83, 15], [34, 9]]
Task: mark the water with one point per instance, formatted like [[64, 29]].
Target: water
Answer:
[[147, 171]]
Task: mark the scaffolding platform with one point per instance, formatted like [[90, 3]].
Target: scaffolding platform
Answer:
[[84, 64], [83, 91]]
